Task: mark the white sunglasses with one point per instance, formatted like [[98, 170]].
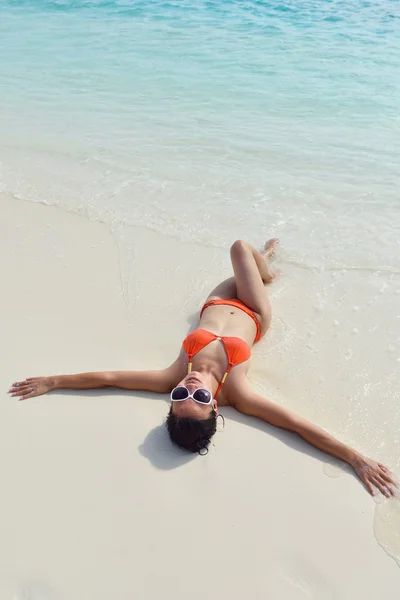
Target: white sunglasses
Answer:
[[201, 395]]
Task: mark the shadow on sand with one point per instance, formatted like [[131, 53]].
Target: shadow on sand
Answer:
[[162, 454]]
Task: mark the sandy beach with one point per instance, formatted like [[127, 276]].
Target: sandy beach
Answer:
[[96, 503]]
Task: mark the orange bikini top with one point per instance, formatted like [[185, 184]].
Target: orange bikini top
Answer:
[[236, 349]]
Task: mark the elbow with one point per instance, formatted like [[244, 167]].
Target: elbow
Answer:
[[293, 423], [109, 379]]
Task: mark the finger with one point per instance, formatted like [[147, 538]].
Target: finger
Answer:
[[384, 468], [24, 381], [21, 387], [18, 383], [390, 486], [381, 485], [30, 395], [385, 485], [388, 479], [15, 388], [368, 486], [23, 392]]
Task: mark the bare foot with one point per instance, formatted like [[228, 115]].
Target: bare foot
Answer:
[[269, 252], [270, 248]]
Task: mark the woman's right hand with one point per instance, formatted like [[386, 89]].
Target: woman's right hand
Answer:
[[31, 386]]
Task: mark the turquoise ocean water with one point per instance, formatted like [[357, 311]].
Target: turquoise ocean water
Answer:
[[170, 113], [209, 121]]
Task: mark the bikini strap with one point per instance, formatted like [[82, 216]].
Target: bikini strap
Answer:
[[223, 381]]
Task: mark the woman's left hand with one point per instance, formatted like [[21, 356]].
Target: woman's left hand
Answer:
[[375, 475], [32, 386]]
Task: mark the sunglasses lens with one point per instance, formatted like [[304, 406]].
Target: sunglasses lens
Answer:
[[179, 393], [203, 396]]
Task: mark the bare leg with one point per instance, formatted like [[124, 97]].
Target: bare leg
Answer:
[[252, 272], [225, 289], [267, 254]]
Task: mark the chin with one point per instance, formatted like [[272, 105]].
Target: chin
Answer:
[[193, 379]]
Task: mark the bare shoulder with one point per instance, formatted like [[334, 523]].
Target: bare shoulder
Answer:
[[177, 370], [237, 386]]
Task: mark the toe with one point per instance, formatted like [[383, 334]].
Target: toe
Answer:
[[270, 247]]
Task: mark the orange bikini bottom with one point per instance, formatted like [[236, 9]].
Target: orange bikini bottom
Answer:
[[238, 304]]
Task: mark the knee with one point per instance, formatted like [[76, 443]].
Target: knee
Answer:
[[238, 247]]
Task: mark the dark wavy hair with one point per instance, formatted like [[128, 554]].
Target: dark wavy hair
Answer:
[[191, 434]]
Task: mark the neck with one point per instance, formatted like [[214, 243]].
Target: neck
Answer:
[[210, 380]]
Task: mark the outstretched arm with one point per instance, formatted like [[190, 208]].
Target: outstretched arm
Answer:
[[369, 471], [153, 381]]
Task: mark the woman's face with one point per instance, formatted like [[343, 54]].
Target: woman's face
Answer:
[[190, 408]]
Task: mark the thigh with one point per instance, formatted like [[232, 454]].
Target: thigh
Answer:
[[225, 289]]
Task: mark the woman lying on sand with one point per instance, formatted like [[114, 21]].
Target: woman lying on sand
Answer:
[[211, 371]]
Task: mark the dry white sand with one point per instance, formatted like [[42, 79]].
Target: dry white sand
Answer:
[[95, 502]]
